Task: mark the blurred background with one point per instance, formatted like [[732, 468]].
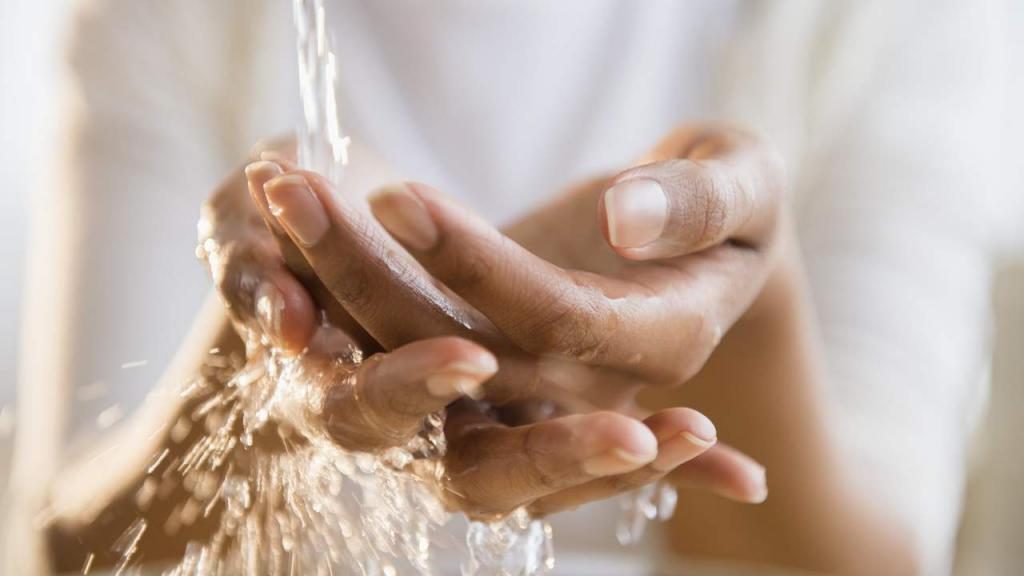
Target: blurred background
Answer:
[[31, 41]]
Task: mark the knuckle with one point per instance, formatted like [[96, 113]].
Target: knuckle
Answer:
[[394, 409], [469, 490], [709, 202], [540, 473], [575, 327], [700, 337], [356, 419], [468, 265], [353, 287]]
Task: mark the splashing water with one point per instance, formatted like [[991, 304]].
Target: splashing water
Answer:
[[651, 502], [290, 500]]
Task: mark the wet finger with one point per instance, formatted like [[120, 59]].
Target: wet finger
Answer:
[[727, 472], [726, 185], [492, 469], [258, 174], [682, 433], [261, 294], [386, 400], [542, 308], [388, 294]]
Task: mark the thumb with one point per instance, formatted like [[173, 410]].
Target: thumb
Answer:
[[685, 205]]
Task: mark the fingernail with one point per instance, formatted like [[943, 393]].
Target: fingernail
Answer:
[[269, 304], [258, 174], [297, 208], [616, 461], [637, 211], [462, 378], [702, 431], [679, 449], [761, 492], [262, 170], [453, 386], [405, 216]]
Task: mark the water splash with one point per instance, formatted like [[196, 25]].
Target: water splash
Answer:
[[516, 545], [655, 501], [285, 498]]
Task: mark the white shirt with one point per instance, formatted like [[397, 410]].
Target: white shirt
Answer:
[[503, 102]]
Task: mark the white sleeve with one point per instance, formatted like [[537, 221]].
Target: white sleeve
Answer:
[[148, 125], [157, 109], [898, 212], [155, 127]]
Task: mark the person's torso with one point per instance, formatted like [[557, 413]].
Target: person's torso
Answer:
[[504, 103]]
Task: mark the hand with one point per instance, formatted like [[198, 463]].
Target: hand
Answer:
[[690, 238], [385, 403], [395, 301]]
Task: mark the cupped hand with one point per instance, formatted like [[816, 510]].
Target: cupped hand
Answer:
[[690, 240], [272, 293], [542, 305]]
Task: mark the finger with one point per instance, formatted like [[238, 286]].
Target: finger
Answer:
[[258, 174], [720, 185], [683, 434], [542, 308], [384, 404], [260, 294], [361, 266], [726, 472], [384, 290], [492, 469], [282, 147]]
